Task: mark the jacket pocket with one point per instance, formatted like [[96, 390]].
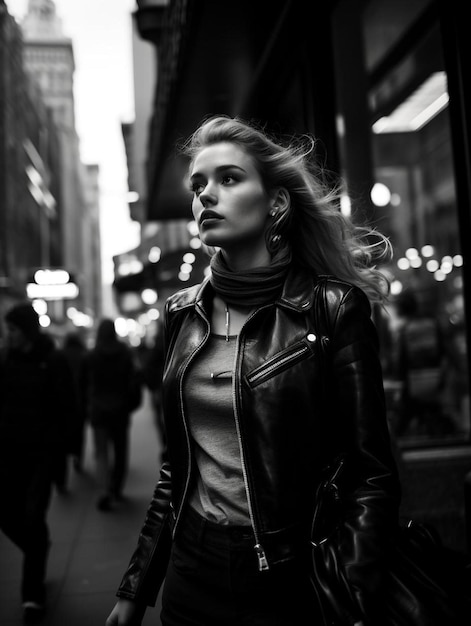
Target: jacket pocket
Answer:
[[283, 360]]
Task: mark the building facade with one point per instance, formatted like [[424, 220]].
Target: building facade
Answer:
[[62, 190], [30, 233], [385, 87]]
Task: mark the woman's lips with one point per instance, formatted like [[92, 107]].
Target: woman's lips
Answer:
[[209, 216]]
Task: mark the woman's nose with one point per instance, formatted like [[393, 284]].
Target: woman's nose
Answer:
[[207, 196]]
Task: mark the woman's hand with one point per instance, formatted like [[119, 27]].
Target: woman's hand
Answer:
[[126, 613]]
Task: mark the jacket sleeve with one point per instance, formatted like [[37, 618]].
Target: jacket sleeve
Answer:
[[148, 565], [372, 491]]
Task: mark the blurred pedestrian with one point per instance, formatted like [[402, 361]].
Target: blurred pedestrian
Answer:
[[421, 364], [75, 352], [111, 379], [35, 396]]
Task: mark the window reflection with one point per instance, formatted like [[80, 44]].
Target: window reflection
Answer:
[[424, 330]]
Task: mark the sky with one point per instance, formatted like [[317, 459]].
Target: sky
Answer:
[[100, 31]]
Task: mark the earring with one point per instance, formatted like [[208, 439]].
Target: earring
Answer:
[[273, 212]]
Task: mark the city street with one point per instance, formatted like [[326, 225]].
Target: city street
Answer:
[[90, 549]]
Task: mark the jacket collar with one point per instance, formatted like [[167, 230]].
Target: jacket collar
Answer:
[[297, 294], [298, 290]]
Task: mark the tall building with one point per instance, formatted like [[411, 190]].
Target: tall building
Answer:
[[49, 60], [29, 172]]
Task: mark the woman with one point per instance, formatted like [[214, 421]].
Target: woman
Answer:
[[251, 416]]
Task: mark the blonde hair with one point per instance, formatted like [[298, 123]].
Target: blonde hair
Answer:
[[319, 235]]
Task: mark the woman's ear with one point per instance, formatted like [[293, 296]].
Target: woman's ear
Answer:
[[276, 233], [279, 201]]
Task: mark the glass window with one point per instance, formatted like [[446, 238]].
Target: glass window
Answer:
[[413, 202]]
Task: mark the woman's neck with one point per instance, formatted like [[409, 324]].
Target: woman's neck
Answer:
[[241, 260]]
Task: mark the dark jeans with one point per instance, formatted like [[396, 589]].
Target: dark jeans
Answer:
[[213, 580], [23, 518]]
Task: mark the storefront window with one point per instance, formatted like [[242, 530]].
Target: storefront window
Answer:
[[414, 203], [415, 200]]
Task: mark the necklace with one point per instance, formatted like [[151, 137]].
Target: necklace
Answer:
[[226, 373], [228, 320]]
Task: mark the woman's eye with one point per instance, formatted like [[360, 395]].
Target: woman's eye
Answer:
[[196, 188], [228, 178]]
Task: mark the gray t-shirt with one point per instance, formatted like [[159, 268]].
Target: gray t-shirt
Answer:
[[219, 493]]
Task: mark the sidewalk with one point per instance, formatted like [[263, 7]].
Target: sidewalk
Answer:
[[90, 550]]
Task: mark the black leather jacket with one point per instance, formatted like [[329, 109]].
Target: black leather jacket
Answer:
[[297, 406]]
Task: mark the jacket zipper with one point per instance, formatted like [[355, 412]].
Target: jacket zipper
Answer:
[[180, 387], [261, 556], [292, 355]]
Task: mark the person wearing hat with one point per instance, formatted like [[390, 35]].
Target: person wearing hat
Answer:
[[35, 395]]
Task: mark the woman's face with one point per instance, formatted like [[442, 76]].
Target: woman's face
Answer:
[[230, 203]]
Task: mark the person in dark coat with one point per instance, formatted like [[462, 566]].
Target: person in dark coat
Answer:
[[75, 352], [271, 373], [35, 393], [110, 375]]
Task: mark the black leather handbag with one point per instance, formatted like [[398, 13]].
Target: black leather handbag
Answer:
[[426, 584]]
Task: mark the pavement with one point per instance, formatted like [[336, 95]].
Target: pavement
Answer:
[[90, 549]]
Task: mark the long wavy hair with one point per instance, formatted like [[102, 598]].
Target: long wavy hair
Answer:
[[319, 236]]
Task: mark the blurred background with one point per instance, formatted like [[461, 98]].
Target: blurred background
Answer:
[[94, 219]]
